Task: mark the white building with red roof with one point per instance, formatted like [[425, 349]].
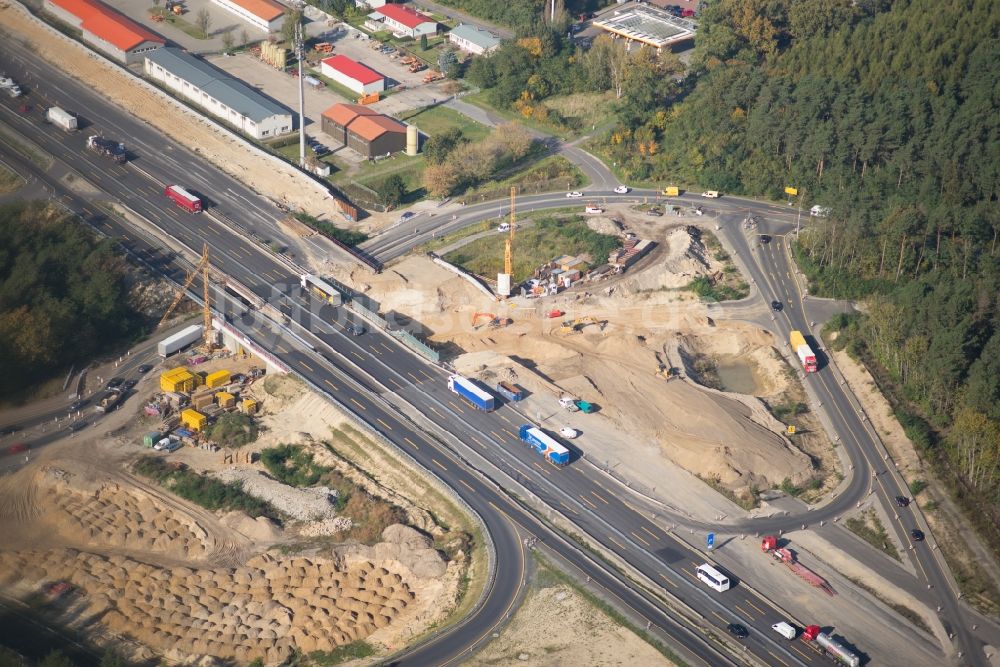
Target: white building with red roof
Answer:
[[403, 21], [266, 15], [353, 75], [106, 29]]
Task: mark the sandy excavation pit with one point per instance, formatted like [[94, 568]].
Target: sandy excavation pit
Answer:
[[652, 323]]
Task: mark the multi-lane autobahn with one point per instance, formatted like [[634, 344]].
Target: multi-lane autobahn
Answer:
[[384, 385]]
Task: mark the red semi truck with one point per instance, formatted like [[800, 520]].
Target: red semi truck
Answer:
[[803, 351], [183, 198]]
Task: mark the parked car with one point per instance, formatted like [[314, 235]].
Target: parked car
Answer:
[[568, 432], [129, 384], [621, 190], [574, 194], [77, 426], [145, 368], [710, 194], [115, 383]]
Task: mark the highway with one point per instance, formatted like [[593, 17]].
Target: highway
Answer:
[[375, 378]]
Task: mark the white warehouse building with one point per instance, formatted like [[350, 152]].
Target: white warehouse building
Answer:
[[221, 95], [266, 15]]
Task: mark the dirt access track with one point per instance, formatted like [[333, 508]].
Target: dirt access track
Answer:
[[660, 432]]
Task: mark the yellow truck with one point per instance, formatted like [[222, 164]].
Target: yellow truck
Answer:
[[671, 191]]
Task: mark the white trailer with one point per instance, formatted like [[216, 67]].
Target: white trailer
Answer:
[[179, 340], [61, 118]]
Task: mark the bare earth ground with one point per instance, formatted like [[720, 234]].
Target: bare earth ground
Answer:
[[272, 178], [671, 426], [158, 574], [557, 627]]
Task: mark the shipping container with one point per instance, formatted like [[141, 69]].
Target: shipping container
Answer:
[[151, 438], [194, 420], [225, 399], [178, 380], [465, 388], [217, 379], [802, 350], [60, 118], [179, 340]]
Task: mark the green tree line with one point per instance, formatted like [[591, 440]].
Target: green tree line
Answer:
[[63, 295], [886, 112]]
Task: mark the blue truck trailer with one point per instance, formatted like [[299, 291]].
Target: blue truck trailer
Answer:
[[544, 445], [479, 398], [510, 391]]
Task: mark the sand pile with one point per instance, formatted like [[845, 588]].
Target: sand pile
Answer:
[[101, 513], [684, 258], [403, 545], [262, 610]]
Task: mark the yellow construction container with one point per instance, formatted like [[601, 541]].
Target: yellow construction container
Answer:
[[217, 379], [178, 380], [249, 406], [194, 420], [225, 399]]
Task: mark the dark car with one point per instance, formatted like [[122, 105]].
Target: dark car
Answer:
[[115, 383], [76, 405], [8, 430], [917, 535], [128, 384], [902, 501], [145, 368], [355, 329], [77, 426], [764, 238], [655, 212], [737, 630], [776, 305]]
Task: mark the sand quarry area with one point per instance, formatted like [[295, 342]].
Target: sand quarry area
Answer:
[[129, 563], [668, 429]]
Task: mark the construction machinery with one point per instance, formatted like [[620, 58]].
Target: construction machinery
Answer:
[[202, 267], [574, 326], [494, 321], [504, 280], [323, 47], [769, 545]]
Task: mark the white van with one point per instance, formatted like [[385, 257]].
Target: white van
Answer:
[[819, 211], [504, 227], [710, 194], [786, 630], [594, 209]]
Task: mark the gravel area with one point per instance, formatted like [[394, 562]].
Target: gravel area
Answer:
[[311, 504]]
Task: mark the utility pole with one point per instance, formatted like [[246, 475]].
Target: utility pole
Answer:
[[552, 17], [299, 55], [798, 218]]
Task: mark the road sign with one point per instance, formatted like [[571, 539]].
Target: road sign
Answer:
[[791, 191], [791, 429], [710, 540]]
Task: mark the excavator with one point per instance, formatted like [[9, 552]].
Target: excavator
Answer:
[[573, 326], [494, 323]]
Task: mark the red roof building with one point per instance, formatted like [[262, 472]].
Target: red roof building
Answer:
[[266, 15], [364, 130], [106, 29], [403, 21], [353, 75]]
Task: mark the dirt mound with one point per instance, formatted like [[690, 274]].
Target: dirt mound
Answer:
[[100, 512], [683, 259], [260, 530], [265, 609], [403, 545]]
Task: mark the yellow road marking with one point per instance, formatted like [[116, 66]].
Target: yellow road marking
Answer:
[[398, 386], [358, 404], [374, 351], [412, 444], [750, 602], [620, 545], [743, 611], [721, 617], [466, 485], [639, 538], [587, 501], [668, 580], [305, 365], [505, 419], [456, 406], [478, 441], [540, 467], [332, 385], [599, 498], [357, 355], [778, 659], [415, 378], [387, 348], [496, 435], [651, 533], [800, 653], [379, 420], [426, 375], [567, 507], [438, 464], [510, 434]]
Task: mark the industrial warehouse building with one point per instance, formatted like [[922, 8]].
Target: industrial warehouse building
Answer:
[[105, 29], [473, 39], [218, 93], [353, 75], [364, 130], [266, 15], [402, 21], [647, 25]]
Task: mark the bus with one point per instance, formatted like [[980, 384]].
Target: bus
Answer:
[[322, 289], [713, 577]]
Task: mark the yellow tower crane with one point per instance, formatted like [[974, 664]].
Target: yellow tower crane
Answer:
[[504, 279], [202, 268]]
